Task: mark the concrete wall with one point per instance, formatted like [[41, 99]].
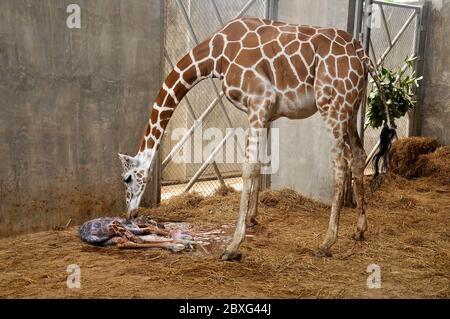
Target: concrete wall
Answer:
[[306, 144], [70, 99], [435, 110]]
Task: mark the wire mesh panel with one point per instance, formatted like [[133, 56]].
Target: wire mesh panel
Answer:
[[393, 37], [188, 22]]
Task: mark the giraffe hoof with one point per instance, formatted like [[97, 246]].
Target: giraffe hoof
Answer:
[[176, 247], [323, 252], [252, 223], [358, 236], [231, 256]]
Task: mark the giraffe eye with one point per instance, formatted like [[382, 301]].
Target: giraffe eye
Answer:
[[127, 180]]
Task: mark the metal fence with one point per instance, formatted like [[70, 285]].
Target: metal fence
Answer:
[[188, 22], [392, 32]]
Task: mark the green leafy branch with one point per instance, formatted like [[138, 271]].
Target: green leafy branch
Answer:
[[399, 88]]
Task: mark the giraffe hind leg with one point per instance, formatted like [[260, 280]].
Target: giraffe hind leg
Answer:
[[342, 156], [357, 168]]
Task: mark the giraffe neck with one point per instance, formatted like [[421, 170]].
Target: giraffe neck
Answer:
[[195, 66]]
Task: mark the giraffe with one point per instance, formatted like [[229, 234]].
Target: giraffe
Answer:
[[270, 69], [126, 233]]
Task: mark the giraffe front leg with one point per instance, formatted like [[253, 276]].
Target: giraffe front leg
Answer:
[[254, 194]]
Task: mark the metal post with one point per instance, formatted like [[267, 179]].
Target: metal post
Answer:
[[366, 46], [358, 19], [351, 16], [421, 31]]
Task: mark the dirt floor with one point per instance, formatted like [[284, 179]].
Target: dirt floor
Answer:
[[408, 237]]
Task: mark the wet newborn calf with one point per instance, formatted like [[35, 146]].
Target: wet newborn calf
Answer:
[[125, 233]]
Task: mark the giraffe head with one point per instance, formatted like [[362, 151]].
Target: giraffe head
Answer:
[[135, 176]]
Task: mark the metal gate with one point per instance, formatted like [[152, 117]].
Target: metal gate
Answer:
[[186, 23], [391, 31]]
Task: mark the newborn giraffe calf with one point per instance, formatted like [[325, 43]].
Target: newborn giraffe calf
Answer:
[[125, 233]]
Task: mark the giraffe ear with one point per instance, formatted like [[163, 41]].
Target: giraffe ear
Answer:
[[126, 160]]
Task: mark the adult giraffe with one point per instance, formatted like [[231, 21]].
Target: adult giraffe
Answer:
[[270, 70]]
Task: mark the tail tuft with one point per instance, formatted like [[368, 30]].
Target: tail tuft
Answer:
[[387, 135]]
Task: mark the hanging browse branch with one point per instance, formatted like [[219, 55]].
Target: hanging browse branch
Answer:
[[399, 88]]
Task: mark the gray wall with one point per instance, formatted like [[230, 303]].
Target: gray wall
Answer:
[[305, 144], [70, 99], [435, 112]]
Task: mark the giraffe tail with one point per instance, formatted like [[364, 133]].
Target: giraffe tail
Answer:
[[388, 132]]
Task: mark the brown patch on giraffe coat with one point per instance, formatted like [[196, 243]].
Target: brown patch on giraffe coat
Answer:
[[248, 57], [348, 84], [234, 94], [233, 76], [222, 65], [292, 48], [267, 34], [232, 50], [307, 53], [154, 116], [329, 33], [217, 45], [156, 132], [264, 68], [303, 37], [276, 23], [170, 102], [201, 51], [271, 49], [343, 66], [165, 114], [147, 129], [150, 143], [286, 38], [234, 31], [322, 44], [356, 64], [352, 96], [307, 30], [180, 91], [161, 97], [206, 67], [341, 41], [331, 65], [251, 84], [184, 63], [354, 78], [337, 49], [250, 40], [339, 85], [163, 123], [300, 67], [252, 24], [172, 78], [289, 28], [190, 75], [285, 76], [347, 37]]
